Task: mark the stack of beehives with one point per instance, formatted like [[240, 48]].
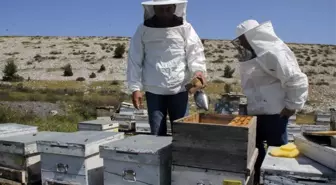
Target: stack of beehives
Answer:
[[213, 148], [31, 157]]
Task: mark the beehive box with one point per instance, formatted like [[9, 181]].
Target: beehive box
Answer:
[[140, 159], [73, 158], [143, 127], [295, 171], [19, 158], [293, 129], [99, 125], [126, 122], [216, 142], [193, 176], [12, 129]]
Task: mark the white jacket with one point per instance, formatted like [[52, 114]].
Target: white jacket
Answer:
[[273, 80], [163, 60]]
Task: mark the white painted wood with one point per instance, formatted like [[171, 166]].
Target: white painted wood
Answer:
[[196, 176], [20, 153], [81, 170], [300, 170], [73, 158], [144, 127], [137, 160], [322, 154], [98, 125], [81, 143], [12, 129]]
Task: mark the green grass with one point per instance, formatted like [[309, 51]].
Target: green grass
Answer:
[[66, 123], [79, 106]]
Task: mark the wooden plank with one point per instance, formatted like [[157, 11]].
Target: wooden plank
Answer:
[[322, 154], [333, 141], [8, 182], [321, 133], [198, 176], [13, 175], [209, 132], [212, 143]]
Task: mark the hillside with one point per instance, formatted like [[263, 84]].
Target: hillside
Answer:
[[42, 58]]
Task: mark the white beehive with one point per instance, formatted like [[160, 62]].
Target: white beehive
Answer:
[[12, 129], [140, 159], [295, 171], [99, 125], [143, 127], [73, 158], [19, 158]]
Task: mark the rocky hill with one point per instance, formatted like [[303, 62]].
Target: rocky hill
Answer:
[[43, 58]]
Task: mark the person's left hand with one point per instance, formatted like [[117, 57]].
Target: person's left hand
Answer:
[[287, 113], [201, 76]]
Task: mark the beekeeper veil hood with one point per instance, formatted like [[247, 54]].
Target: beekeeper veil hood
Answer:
[[255, 38], [180, 11]]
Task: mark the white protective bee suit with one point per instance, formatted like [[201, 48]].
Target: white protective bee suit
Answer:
[[273, 79], [162, 60]]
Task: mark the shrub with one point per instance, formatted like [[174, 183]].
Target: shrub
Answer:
[[10, 68], [10, 71], [80, 79], [67, 70], [308, 58], [228, 72], [93, 75], [102, 68], [115, 82], [119, 51], [55, 53]]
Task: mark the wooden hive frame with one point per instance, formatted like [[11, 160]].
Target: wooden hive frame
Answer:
[[216, 142]]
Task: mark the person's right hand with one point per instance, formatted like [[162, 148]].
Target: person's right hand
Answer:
[[137, 99]]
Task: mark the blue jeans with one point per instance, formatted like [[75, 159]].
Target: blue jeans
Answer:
[[273, 130], [159, 105]]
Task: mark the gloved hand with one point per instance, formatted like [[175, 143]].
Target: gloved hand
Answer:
[[201, 76], [287, 113], [137, 99], [194, 85]]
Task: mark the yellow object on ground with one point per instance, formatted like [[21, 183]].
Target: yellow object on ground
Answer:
[[289, 150], [288, 147], [232, 182]]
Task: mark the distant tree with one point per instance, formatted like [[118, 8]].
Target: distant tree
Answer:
[[67, 70], [10, 68], [102, 68], [93, 75], [119, 51], [228, 72], [10, 71]]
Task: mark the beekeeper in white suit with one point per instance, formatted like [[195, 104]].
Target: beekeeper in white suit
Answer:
[[272, 81], [164, 54]]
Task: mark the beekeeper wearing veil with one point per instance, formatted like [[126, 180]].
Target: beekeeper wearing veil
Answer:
[[165, 53], [272, 81]]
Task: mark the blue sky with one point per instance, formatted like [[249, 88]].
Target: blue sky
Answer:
[[303, 21]]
